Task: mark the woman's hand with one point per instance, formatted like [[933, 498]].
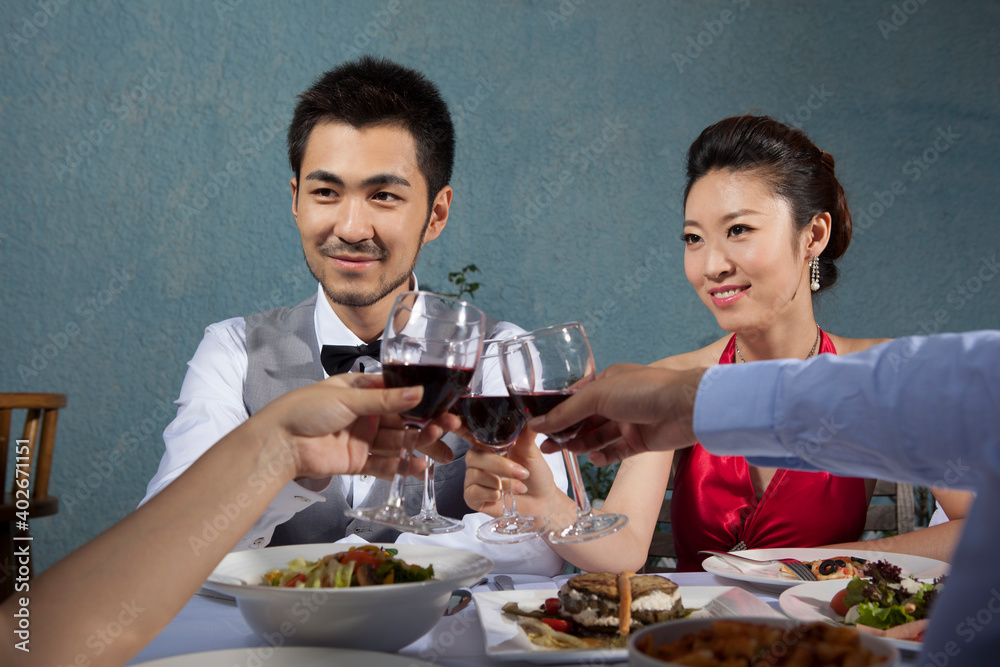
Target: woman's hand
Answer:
[[524, 467]]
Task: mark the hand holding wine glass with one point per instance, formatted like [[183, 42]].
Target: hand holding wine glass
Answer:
[[542, 369], [494, 422], [433, 341]]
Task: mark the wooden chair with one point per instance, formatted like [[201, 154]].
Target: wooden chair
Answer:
[[30, 461], [895, 516]]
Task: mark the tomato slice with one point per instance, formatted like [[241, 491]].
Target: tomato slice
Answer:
[[558, 624], [361, 557], [837, 603], [297, 578], [552, 606]]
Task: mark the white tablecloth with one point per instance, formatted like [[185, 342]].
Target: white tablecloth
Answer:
[[206, 624]]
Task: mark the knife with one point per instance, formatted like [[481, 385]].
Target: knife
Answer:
[[502, 582]]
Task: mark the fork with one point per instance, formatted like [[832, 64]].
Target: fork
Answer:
[[798, 568]]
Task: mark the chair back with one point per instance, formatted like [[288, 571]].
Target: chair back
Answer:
[[32, 456], [897, 515], [28, 460]]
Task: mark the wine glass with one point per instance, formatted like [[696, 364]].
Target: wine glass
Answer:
[[542, 369], [434, 341], [494, 422]]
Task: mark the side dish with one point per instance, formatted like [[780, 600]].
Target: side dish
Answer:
[[887, 603], [599, 609], [358, 566], [740, 643]]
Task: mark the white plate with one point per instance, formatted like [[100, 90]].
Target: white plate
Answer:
[[285, 656], [811, 602], [505, 640], [771, 575]]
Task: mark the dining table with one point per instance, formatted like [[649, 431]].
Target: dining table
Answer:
[[209, 623]]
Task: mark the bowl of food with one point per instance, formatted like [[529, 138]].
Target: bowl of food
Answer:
[[378, 596], [769, 641]]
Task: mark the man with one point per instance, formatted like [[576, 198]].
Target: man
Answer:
[[371, 145], [922, 410]]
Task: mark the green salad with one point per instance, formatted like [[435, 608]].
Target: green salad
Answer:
[[368, 565], [886, 599]]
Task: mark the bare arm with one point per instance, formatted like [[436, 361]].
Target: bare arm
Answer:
[[636, 492], [140, 572], [937, 542]]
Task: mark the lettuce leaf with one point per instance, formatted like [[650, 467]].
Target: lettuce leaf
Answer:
[[882, 617]]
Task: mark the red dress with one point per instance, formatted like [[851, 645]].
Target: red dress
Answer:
[[714, 505]]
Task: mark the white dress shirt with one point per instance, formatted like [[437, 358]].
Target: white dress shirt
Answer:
[[919, 410], [211, 405]]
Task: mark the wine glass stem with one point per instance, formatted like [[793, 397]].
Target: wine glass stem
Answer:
[[576, 480], [428, 506], [509, 507], [399, 479]]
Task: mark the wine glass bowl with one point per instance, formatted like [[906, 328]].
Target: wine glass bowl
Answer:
[[542, 369], [494, 421], [433, 341]]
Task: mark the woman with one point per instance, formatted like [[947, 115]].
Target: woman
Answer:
[[765, 221]]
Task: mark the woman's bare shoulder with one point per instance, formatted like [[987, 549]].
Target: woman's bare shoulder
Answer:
[[706, 356], [851, 345]]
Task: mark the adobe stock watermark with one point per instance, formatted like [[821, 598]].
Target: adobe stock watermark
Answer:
[[961, 294], [581, 160], [651, 266], [563, 11], [915, 168], [485, 87], [251, 143], [365, 35], [87, 311], [103, 637], [704, 39], [30, 25], [212, 529], [898, 17], [101, 469], [122, 106], [817, 99]]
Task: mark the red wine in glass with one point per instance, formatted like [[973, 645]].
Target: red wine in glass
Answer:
[[536, 404], [494, 421], [443, 385]]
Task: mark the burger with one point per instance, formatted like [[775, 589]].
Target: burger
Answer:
[[602, 603]]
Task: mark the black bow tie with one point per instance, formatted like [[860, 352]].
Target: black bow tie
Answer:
[[338, 359]]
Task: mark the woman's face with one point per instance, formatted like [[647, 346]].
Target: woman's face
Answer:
[[739, 252]]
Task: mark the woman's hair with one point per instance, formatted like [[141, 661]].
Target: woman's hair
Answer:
[[796, 170]]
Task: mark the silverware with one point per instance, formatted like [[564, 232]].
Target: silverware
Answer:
[[502, 582], [460, 598], [798, 568]]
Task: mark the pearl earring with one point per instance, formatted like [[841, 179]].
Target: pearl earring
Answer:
[[814, 266]]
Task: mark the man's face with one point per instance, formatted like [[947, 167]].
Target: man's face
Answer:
[[361, 209]]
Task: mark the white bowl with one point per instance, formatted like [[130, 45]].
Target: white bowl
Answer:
[[664, 633], [384, 618]]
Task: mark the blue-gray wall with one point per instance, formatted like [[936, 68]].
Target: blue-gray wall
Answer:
[[122, 234]]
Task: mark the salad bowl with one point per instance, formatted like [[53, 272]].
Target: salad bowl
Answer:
[[383, 617]]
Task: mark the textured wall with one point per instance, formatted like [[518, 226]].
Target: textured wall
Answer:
[[122, 234]]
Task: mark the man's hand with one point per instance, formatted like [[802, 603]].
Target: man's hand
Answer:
[[628, 409], [335, 427]]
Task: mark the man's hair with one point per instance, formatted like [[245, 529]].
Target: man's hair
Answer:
[[373, 91]]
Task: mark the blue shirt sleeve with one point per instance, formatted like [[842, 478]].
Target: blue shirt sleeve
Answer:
[[886, 412]]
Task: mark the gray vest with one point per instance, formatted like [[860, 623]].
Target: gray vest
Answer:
[[283, 355]]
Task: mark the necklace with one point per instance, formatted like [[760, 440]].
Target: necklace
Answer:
[[736, 344]]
